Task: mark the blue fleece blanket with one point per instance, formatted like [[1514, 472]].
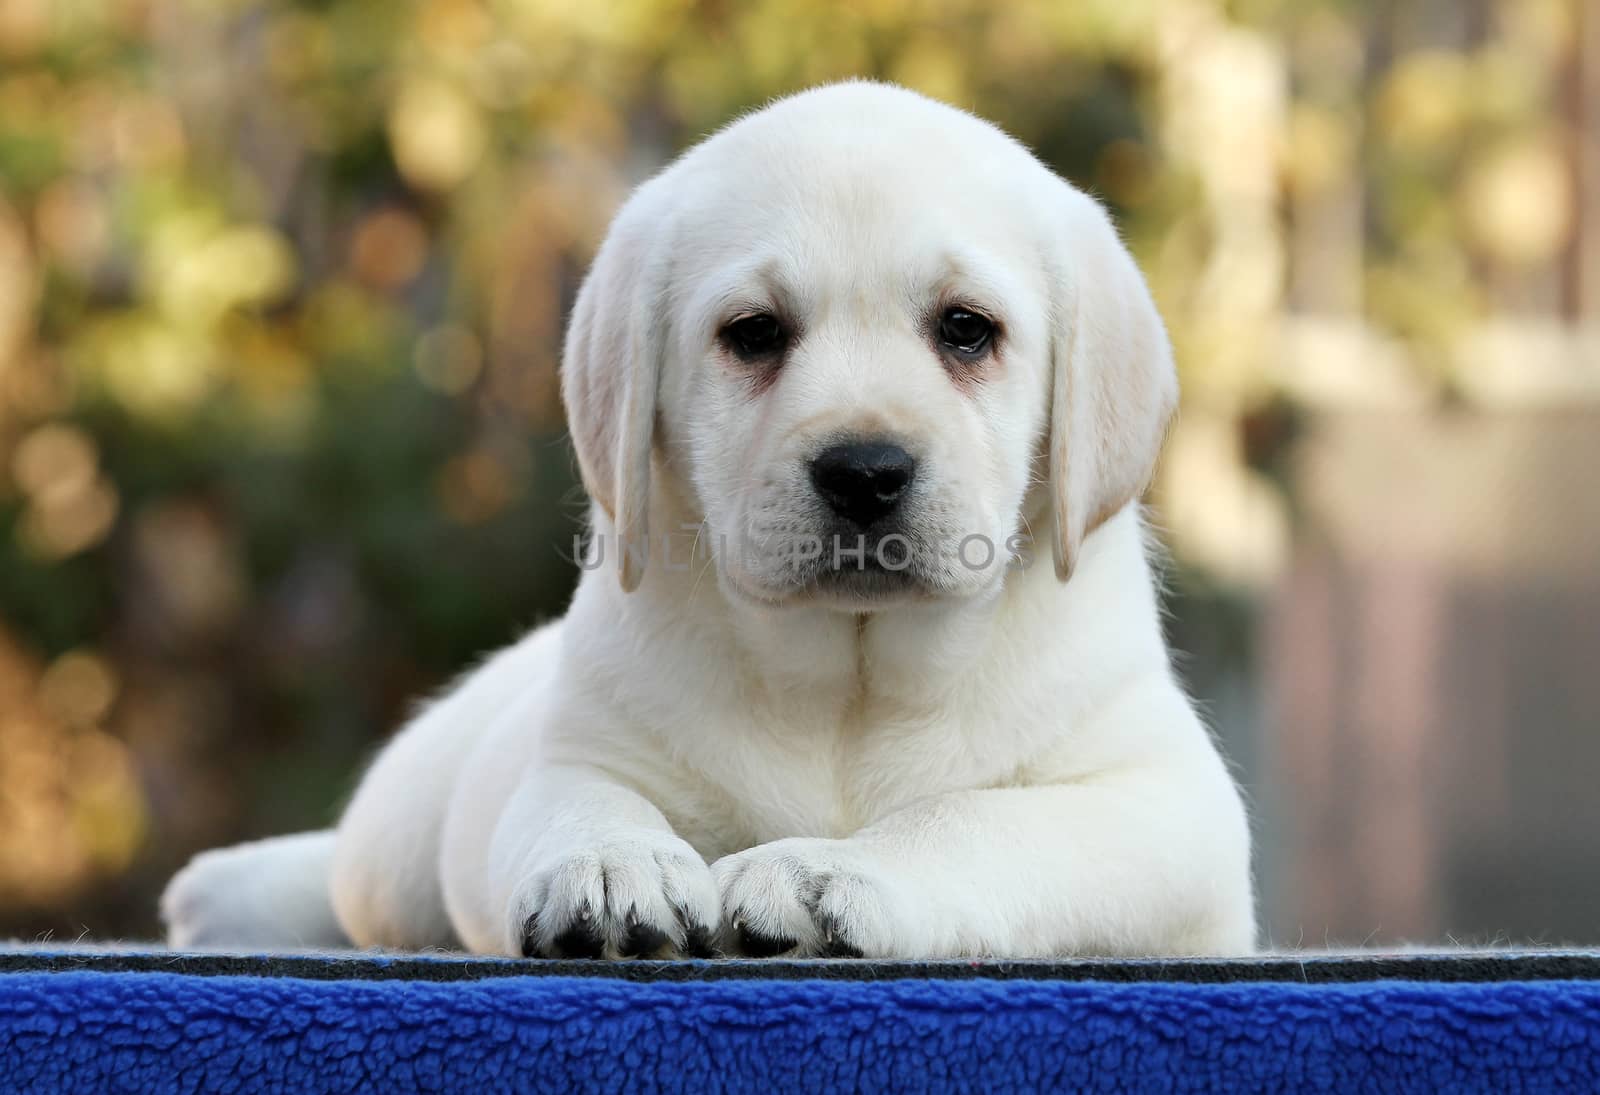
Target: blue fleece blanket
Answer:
[[94, 1030]]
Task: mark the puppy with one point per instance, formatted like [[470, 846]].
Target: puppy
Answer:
[[866, 659]]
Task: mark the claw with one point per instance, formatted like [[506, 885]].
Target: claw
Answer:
[[697, 942], [834, 944], [640, 938], [757, 945], [581, 940]]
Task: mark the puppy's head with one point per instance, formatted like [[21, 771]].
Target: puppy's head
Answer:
[[882, 348]]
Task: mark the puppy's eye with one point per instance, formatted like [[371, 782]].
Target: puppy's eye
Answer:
[[965, 331], [755, 336]]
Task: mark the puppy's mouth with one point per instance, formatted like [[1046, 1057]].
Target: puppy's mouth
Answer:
[[870, 582], [849, 571]]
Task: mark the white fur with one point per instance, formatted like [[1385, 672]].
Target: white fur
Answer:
[[268, 893], [989, 761]]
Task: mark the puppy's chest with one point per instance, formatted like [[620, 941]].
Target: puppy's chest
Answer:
[[828, 769]]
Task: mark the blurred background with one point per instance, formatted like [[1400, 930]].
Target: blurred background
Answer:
[[281, 291]]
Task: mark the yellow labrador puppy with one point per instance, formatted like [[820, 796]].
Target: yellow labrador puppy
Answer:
[[865, 398]]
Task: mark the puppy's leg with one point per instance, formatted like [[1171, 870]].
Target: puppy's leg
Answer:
[[385, 882], [387, 886], [272, 894], [580, 866], [1143, 858]]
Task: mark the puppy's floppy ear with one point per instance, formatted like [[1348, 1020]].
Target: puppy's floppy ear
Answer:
[[1114, 386], [611, 371]]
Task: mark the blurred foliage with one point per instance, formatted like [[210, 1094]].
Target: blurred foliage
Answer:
[[282, 287]]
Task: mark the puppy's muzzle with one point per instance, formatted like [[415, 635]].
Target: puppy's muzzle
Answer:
[[863, 482]]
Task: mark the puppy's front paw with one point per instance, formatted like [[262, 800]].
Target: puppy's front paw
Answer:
[[649, 896], [804, 896]]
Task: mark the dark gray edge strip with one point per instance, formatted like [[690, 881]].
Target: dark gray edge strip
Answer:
[[1341, 969]]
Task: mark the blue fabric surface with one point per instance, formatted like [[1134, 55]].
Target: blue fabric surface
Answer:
[[110, 1032]]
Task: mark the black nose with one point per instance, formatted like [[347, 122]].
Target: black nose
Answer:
[[862, 480]]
